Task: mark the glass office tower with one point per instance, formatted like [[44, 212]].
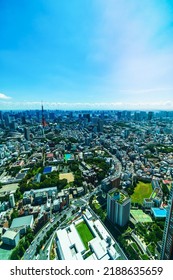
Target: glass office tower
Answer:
[[167, 242]]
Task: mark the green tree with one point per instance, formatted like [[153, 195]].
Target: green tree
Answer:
[[43, 178], [15, 255], [100, 176], [15, 214], [165, 190], [62, 183], [18, 195]]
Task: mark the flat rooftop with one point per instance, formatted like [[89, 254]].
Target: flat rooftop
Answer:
[[118, 195], [159, 212], [47, 170], [70, 243], [11, 234], [22, 221], [67, 156]]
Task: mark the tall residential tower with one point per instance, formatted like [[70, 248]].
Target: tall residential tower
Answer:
[[167, 242], [118, 207]]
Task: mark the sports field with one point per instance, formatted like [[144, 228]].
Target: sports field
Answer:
[[140, 216], [84, 233], [142, 190], [69, 176], [8, 188]]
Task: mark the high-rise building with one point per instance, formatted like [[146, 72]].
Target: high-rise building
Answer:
[[137, 116], [43, 117], [1, 116], [118, 207], [13, 125], [7, 119], [87, 116], [27, 133], [23, 120], [12, 200], [150, 115], [167, 241], [119, 115], [100, 125]]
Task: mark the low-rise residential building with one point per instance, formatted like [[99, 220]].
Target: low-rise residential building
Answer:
[[22, 223], [148, 203], [11, 237]]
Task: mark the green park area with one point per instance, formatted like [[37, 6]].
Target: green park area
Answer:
[[142, 190], [84, 233]]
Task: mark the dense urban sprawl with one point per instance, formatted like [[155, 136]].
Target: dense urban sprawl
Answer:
[[85, 184]]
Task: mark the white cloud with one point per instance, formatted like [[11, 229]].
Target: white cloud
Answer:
[[4, 97], [157, 105]]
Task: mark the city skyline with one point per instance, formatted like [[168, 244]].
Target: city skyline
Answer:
[[86, 55]]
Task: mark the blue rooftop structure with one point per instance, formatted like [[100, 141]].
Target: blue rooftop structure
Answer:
[[67, 156], [47, 169], [116, 195], [159, 212]]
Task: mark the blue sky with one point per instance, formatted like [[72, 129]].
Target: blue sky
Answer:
[[85, 54]]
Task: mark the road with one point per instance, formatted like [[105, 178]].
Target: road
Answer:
[[31, 251], [3, 175], [116, 162]]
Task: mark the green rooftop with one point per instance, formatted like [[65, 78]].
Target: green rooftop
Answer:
[[118, 195]]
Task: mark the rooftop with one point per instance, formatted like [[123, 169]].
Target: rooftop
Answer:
[[47, 169], [22, 221], [72, 242], [159, 212], [118, 195], [11, 234]]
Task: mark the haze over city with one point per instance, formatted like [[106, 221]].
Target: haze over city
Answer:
[[86, 54]]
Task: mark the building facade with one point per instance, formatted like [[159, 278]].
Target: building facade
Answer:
[[118, 207], [167, 242], [12, 200], [11, 237], [27, 133]]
